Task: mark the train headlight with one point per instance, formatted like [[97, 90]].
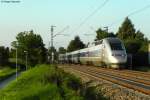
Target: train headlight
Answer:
[[119, 55], [123, 55]]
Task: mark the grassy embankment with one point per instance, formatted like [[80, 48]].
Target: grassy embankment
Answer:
[[10, 69], [49, 83], [6, 72]]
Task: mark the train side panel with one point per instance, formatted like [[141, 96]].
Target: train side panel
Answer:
[[109, 51]]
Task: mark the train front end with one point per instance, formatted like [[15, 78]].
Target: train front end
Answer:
[[117, 56]]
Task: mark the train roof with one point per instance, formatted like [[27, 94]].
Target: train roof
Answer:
[[74, 52], [95, 44], [113, 39]]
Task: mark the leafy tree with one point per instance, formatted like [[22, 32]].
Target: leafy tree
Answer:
[[101, 34], [135, 42], [126, 30], [4, 55], [75, 44], [33, 44], [139, 36], [132, 46], [62, 50]]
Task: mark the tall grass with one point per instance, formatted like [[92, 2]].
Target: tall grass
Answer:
[[6, 72], [47, 83]]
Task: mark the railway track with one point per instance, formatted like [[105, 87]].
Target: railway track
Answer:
[[137, 74], [124, 77], [128, 73]]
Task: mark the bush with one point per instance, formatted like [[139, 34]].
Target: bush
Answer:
[[45, 82], [6, 72]]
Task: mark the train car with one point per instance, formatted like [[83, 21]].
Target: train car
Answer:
[[92, 54], [61, 58], [75, 57], [69, 57], [114, 53], [109, 52]]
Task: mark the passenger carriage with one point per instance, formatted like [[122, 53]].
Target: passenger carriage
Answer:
[[109, 52]]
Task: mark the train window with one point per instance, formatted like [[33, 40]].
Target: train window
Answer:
[[116, 46]]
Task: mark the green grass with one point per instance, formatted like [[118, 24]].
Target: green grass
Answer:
[[46, 83], [6, 72]]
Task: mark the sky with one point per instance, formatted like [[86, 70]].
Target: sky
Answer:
[[39, 15]]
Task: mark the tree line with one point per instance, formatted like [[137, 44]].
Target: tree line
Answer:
[[4, 56], [27, 43], [31, 44], [135, 42]]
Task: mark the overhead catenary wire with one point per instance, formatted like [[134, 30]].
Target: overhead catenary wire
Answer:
[[92, 14], [139, 10], [60, 32], [130, 14]]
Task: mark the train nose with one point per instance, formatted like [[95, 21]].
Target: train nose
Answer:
[[118, 58], [119, 55]]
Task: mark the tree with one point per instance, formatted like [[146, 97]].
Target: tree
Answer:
[[132, 39], [132, 46], [139, 36], [4, 55], [75, 44], [126, 30], [62, 50], [101, 34], [33, 44], [135, 42]]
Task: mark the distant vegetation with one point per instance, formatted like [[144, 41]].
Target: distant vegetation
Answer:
[[135, 42], [6, 72], [4, 56], [46, 82], [62, 50], [32, 44], [101, 34], [75, 44]]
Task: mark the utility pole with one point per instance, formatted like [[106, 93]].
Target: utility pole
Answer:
[[16, 60], [26, 60], [53, 36], [48, 55], [52, 53], [26, 53], [106, 28]]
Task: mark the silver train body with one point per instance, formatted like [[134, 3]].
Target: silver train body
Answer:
[[108, 52]]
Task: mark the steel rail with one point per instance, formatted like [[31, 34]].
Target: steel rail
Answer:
[[117, 80], [122, 75]]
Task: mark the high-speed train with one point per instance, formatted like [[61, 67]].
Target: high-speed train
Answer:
[[108, 52]]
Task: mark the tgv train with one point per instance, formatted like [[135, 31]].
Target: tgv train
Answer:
[[108, 52]]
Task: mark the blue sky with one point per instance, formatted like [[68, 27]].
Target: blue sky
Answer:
[[39, 15]]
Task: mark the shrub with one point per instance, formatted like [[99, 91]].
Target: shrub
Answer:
[[45, 82]]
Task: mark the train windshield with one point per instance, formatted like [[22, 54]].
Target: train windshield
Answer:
[[116, 46]]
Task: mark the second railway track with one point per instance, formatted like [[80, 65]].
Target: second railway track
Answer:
[[122, 74], [136, 83]]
